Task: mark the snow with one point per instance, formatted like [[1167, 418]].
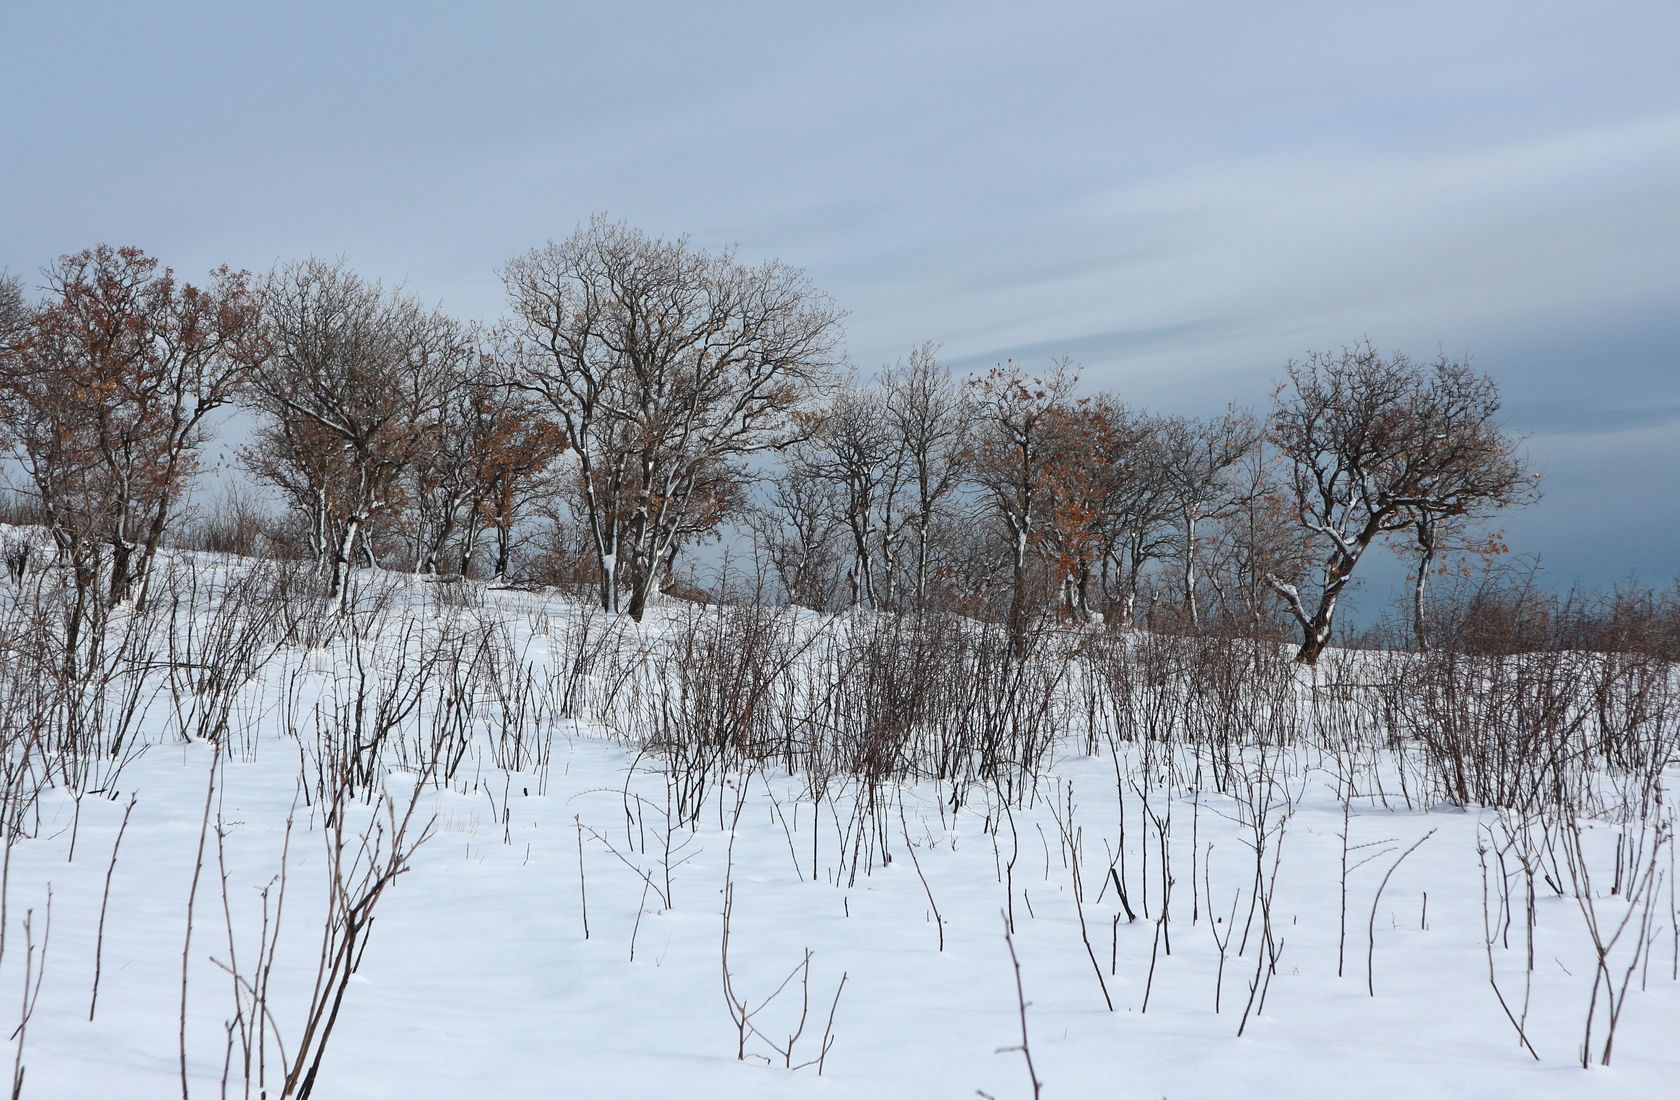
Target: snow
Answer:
[[478, 979]]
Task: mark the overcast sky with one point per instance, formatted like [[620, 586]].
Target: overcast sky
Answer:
[[1179, 196]]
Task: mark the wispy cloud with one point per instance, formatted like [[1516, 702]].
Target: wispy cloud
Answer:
[[1179, 198]]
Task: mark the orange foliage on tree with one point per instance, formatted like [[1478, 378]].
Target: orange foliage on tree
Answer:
[[514, 448], [106, 393], [1077, 485]]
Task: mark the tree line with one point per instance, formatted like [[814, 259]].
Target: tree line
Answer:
[[643, 395]]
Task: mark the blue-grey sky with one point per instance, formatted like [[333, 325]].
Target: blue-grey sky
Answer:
[[1179, 196]]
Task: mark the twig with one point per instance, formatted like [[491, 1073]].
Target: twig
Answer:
[[1021, 1002], [1371, 925], [104, 901]]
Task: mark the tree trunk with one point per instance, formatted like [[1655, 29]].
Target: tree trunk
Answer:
[[863, 571], [1315, 634], [469, 544], [434, 551], [122, 556], [1018, 596], [1134, 580], [339, 583], [504, 551], [1190, 571], [149, 548], [923, 553], [1315, 631], [639, 596], [1420, 585], [318, 529], [643, 567], [86, 578], [609, 583]]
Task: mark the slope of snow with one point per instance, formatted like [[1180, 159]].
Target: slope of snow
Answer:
[[479, 980]]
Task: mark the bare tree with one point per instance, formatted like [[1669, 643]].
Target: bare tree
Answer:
[[1198, 459], [851, 447], [308, 466], [1372, 445], [929, 412], [796, 527], [1459, 529], [444, 486], [14, 311], [1138, 513], [662, 364], [1016, 419], [356, 378], [1256, 536]]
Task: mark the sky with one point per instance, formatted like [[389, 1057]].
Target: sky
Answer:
[[1180, 197]]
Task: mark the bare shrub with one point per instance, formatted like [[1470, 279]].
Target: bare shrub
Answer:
[[234, 523]]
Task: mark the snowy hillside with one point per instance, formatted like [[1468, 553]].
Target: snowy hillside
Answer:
[[474, 842]]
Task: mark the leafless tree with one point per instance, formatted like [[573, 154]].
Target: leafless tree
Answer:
[[356, 378], [1014, 422], [1373, 444], [1459, 529], [1256, 536], [443, 485], [1138, 511], [929, 412], [14, 311], [663, 364], [851, 447], [1198, 460], [796, 527]]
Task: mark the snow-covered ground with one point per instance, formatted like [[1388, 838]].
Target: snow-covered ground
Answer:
[[559, 934]]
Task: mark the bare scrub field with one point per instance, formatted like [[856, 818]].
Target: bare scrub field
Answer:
[[460, 840]]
